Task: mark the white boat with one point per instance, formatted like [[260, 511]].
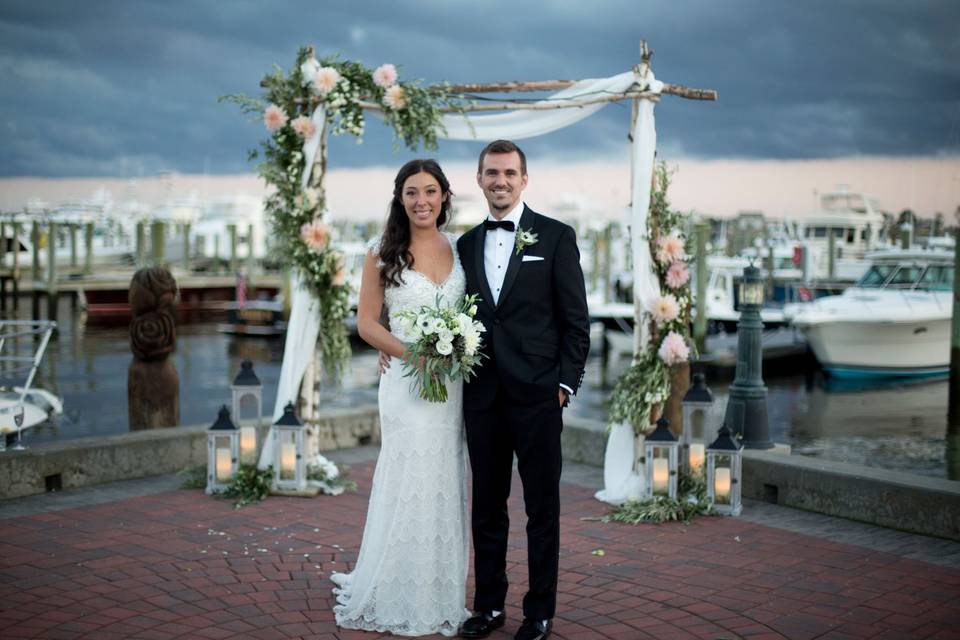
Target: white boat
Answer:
[[856, 222], [894, 322], [23, 406]]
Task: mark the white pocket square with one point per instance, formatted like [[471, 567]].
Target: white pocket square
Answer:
[[532, 258]]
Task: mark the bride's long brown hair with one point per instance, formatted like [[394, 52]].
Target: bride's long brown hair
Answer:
[[395, 242]]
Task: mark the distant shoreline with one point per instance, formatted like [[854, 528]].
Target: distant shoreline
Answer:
[[715, 188]]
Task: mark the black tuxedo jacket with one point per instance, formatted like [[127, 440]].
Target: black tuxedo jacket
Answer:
[[538, 334]]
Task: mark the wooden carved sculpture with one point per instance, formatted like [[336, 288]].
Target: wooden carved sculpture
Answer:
[[153, 386]]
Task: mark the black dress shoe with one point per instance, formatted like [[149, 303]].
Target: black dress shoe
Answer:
[[482, 625], [534, 629]]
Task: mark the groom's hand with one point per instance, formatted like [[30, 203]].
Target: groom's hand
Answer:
[[563, 397], [383, 362]]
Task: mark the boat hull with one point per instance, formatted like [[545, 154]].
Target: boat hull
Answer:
[[881, 349]]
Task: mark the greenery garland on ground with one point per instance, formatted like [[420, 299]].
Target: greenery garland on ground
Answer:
[[296, 213], [646, 383], [692, 502], [250, 485]]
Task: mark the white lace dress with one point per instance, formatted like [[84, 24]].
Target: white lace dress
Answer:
[[410, 576]]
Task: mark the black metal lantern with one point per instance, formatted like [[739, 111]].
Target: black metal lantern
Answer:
[[222, 445], [660, 450], [247, 385], [724, 457], [696, 407], [289, 466]]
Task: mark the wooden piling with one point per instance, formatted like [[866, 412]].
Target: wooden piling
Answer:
[[831, 255], [703, 276], [52, 270], [232, 230], [35, 241], [141, 245], [88, 248], [953, 402], [186, 246], [72, 226], [157, 238]]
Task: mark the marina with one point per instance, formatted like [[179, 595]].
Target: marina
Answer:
[[898, 426]]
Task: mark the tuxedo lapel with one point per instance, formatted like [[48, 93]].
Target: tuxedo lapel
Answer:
[[513, 268], [480, 270]]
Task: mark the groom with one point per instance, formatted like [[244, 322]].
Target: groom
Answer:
[[526, 269]]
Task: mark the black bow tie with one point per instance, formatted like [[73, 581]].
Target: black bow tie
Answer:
[[507, 225]]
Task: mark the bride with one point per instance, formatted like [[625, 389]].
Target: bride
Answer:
[[410, 576]]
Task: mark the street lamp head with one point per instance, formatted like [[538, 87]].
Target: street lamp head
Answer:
[[751, 286]]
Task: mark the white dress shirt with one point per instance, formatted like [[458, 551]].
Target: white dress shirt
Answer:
[[497, 246]]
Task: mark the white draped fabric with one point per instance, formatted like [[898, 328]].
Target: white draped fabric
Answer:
[[302, 331], [619, 480], [516, 125]]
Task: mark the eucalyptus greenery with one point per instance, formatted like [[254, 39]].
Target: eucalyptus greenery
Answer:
[[690, 502], [250, 485]]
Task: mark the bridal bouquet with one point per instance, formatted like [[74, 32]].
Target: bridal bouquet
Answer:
[[446, 345]]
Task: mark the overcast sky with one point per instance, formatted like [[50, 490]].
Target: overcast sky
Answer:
[[128, 88]]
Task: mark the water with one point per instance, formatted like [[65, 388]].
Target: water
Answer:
[[899, 427]]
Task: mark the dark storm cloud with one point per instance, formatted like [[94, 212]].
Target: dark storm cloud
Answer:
[[113, 88]]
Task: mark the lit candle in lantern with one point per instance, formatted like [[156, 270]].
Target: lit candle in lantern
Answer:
[[224, 465], [248, 443], [721, 484], [661, 475], [697, 456], [288, 460]]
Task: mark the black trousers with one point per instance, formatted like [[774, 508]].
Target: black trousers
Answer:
[[493, 436]]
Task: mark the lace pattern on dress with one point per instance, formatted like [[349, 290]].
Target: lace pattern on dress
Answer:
[[410, 575]]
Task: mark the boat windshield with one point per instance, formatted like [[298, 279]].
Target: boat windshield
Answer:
[[937, 277], [905, 277], [876, 275]]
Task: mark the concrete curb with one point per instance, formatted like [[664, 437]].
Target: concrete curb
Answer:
[[904, 501], [95, 460]]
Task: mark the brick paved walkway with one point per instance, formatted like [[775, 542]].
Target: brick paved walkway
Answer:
[[177, 564]]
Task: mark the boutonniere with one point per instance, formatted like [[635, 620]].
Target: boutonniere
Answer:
[[524, 240]]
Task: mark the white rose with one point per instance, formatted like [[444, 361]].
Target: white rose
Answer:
[[439, 325], [444, 348]]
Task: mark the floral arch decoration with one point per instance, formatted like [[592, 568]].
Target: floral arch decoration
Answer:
[[315, 98]]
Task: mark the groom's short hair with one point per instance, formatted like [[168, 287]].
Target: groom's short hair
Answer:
[[503, 146]]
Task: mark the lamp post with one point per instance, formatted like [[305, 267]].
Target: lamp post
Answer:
[[696, 406], [289, 467], [746, 413], [723, 473], [247, 385], [222, 445], [660, 451]]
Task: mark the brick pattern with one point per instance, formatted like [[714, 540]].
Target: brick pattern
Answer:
[[179, 564]]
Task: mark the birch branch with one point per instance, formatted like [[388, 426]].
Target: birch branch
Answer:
[[554, 85]]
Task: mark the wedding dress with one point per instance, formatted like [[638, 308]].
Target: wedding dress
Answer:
[[410, 576]]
